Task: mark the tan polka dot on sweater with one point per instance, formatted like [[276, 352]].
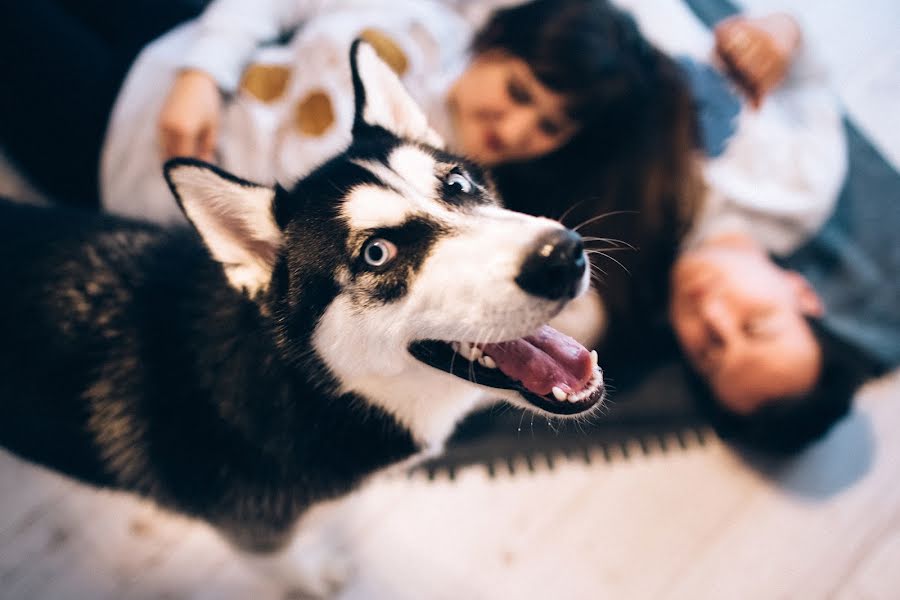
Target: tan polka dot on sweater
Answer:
[[387, 49], [314, 114], [266, 83]]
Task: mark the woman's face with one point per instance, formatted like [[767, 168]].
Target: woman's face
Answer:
[[740, 320], [502, 113]]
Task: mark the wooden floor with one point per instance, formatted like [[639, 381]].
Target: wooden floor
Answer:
[[691, 524], [694, 524]]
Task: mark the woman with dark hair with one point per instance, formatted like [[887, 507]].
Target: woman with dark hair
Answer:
[[629, 178]]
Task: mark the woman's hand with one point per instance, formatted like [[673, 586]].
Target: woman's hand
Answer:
[[758, 52], [189, 120]]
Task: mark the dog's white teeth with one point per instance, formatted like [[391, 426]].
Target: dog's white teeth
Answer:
[[469, 350], [579, 396], [475, 353], [593, 385], [559, 394], [594, 358], [455, 346], [486, 361]]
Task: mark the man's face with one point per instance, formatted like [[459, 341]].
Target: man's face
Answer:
[[503, 113], [740, 320]]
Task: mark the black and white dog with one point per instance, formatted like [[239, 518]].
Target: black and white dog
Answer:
[[255, 374]]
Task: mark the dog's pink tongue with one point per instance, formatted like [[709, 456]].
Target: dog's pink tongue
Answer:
[[544, 360]]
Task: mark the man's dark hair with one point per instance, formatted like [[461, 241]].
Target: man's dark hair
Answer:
[[787, 426]]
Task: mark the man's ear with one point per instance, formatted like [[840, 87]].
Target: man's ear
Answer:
[[233, 217], [808, 299], [381, 100]]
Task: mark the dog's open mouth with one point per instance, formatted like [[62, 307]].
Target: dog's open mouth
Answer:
[[551, 370]]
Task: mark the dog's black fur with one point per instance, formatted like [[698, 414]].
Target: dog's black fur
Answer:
[[129, 359]]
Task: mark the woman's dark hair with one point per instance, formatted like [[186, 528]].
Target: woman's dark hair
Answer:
[[634, 157], [786, 426]]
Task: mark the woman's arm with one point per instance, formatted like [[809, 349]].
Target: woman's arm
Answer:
[[227, 35]]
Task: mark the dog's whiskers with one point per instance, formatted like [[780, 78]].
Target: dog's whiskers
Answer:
[[605, 249], [472, 362], [600, 217], [598, 276], [562, 217], [453, 358], [468, 335], [607, 256], [618, 243], [552, 427], [522, 418]]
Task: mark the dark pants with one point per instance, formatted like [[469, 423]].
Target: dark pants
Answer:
[[62, 63]]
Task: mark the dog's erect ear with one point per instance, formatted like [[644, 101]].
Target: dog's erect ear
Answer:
[[234, 217], [382, 100]]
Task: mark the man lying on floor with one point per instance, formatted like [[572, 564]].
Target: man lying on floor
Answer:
[[771, 370], [779, 343]]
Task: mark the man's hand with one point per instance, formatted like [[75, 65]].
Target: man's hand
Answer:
[[757, 52], [189, 120]]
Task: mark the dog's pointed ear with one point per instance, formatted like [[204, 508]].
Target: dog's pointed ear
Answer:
[[234, 218], [381, 100]]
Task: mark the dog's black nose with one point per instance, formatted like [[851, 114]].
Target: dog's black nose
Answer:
[[554, 267]]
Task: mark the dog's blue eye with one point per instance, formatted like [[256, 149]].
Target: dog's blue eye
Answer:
[[459, 183], [379, 252]]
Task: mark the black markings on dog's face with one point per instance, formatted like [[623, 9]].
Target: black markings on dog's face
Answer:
[[482, 191], [391, 201], [411, 244], [460, 188]]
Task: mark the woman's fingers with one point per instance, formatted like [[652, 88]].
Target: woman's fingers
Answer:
[[189, 121], [206, 143], [176, 139], [732, 43], [755, 61], [757, 52]]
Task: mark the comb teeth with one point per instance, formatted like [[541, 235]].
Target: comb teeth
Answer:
[[515, 457]]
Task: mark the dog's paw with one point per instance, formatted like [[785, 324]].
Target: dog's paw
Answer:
[[308, 572], [319, 579]]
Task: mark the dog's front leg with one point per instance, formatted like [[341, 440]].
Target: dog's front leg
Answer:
[[310, 561]]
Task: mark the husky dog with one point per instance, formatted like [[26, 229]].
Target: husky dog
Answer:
[[258, 367]]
